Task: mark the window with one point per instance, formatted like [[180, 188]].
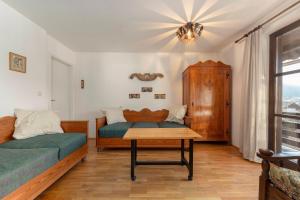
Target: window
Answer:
[[284, 92]]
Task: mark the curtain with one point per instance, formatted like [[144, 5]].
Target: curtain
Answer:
[[254, 96]]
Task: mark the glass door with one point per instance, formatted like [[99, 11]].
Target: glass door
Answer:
[[284, 98]]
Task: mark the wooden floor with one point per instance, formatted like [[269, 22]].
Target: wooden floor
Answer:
[[219, 174]]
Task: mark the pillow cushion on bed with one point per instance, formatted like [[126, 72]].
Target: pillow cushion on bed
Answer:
[[33, 123], [177, 113], [114, 115]]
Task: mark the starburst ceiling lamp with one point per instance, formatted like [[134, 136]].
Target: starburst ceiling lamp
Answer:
[[189, 32]]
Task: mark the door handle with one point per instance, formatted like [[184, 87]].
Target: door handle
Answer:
[[52, 100]]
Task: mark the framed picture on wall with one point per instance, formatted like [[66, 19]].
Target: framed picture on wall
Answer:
[[159, 96], [147, 89], [134, 96], [17, 62]]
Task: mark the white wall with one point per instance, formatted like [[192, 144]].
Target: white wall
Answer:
[[19, 35], [107, 80], [232, 54], [60, 52]]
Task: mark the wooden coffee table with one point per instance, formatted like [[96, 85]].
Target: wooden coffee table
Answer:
[[135, 134]]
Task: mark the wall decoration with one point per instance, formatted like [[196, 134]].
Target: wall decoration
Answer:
[[82, 84], [134, 96], [17, 62], [147, 89], [159, 96], [146, 76]]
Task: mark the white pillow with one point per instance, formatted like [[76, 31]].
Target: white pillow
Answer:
[[177, 113], [114, 115], [33, 123]]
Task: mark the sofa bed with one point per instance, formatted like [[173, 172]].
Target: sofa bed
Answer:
[[110, 135], [29, 166]]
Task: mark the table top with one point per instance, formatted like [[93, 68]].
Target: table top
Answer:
[[160, 133]]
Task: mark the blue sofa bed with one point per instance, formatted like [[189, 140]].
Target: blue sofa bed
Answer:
[[33, 164], [118, 130], [110, 136]]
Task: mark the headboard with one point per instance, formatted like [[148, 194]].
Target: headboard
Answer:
[[145, 115], [7, 126]]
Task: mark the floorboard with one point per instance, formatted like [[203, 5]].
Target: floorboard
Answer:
[[220, 173]]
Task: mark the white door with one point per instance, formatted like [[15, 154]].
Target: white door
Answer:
[[61, 89]]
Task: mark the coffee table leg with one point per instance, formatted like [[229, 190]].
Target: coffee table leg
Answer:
[[133, 159], [135, 152], [191, 161], [182, 152]]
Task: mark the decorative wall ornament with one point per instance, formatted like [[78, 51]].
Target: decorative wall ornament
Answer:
[[146, 76], [134, 96], [159, 96], [17, 62], [147, 89]]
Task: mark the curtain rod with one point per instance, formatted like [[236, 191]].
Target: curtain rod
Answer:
[[267, 21]]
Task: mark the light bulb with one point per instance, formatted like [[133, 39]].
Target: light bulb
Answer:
[[189, 34]]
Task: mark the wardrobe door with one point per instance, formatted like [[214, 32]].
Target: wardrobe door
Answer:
[[208, 95], [201, 106]]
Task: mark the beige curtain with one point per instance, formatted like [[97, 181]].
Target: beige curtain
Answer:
[[254, 105]]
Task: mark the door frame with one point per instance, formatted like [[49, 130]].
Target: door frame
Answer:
[[273, 140], [72, 91]]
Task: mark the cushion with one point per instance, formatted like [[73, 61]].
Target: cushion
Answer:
[[17, 166], [177, 113], [286, 180], [116, 130], [166, 124], [33, 123], [145, 125], [114, 115], [66, 143]]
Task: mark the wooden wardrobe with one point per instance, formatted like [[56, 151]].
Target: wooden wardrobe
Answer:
[[207, 93]]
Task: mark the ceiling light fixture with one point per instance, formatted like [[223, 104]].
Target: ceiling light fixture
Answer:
[[189, 32]]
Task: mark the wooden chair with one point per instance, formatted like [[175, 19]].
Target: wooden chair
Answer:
[[267, 189]]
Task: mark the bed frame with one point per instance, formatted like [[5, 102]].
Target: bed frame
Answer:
[[38, 184], [145, 115]]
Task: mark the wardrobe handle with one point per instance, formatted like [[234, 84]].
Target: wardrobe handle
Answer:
[[227, 103], [192, 103]]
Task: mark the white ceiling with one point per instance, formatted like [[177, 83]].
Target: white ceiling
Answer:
[[141, 25]]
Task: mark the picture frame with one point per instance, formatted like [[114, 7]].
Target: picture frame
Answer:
[[147, 89], [17, 62], [159, 96], [134, 96]]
